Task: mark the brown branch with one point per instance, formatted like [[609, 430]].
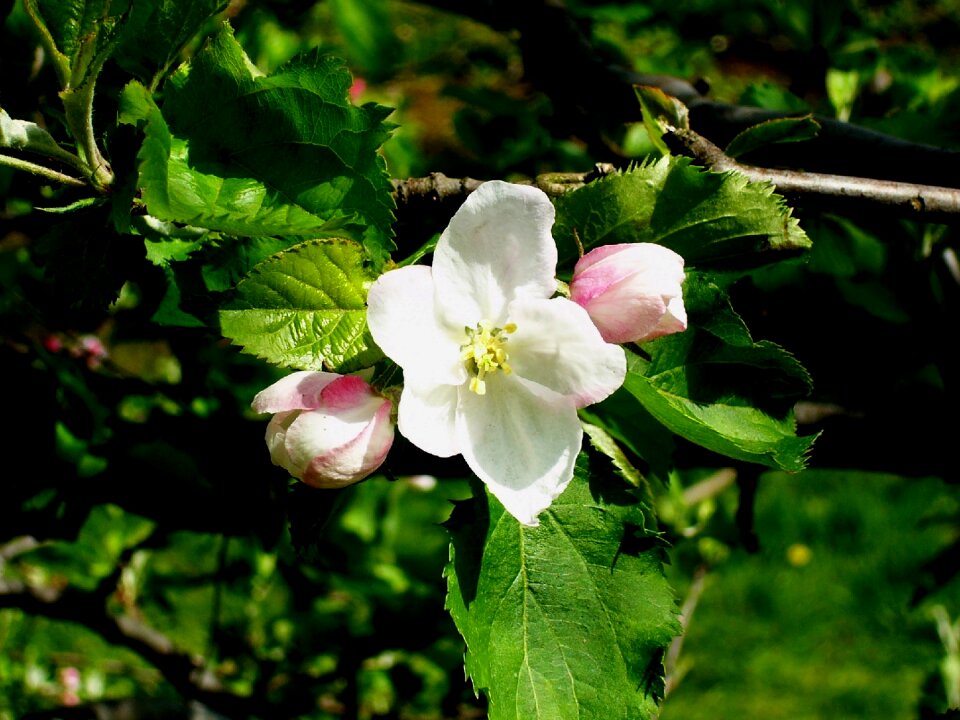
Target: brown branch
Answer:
[[437, 188], [425, 205], [921, 202], [590, 94]]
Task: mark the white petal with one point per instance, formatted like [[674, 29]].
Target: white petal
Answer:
[[401, 317], [497, 247], [522, 441], [297, 391], [426, 417], [556, 345], [275, 436]]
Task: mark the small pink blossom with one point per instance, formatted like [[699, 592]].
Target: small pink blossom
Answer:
[[70, 679], [357, 89], [632, 291], [329, 430]]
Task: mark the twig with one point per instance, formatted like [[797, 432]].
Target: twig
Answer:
[[40, 170], [438, 188], [926, 202], [672, 673]]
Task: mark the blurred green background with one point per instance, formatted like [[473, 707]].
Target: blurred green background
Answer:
[[830, 593]]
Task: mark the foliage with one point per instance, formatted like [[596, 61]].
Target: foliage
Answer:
[[198, 197]]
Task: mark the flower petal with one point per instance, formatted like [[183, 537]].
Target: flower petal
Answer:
[[628, 288], [355, 460], [522, 441], [297, 391], [497, 247], [275, 437], [402, 320], [316, 433], [556, 345], [426, 417]]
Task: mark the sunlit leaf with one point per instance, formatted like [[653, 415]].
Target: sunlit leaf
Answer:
[[706, 217], [302, 161], [306, 308], [568, 619]]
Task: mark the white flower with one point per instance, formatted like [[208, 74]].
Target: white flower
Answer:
[[494, 367], [329, 430]]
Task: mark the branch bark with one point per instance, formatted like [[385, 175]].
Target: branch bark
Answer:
[[922, 202]]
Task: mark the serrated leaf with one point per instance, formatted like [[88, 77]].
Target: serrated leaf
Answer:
[[306, 308], [706, 217], [717, 387], [303, 161], [661, 114], [779, 130], [568, 619]]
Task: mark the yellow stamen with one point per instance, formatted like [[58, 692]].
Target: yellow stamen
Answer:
[[484, 352]]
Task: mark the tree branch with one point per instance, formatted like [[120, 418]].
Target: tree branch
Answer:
[[921, 202], [589, 93], [437, 188]]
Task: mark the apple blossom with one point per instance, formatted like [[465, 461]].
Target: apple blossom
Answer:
[[631, 291], [329, 430], [494, 366]]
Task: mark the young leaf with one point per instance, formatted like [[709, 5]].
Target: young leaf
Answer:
[[661, 113], [780, 130], [568, 619], [302, 161], [717, 387], [706, 217], [306, 308]]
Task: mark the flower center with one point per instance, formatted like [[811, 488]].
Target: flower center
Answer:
[[485, 352]]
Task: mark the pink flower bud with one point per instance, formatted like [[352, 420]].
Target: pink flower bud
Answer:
[[632, 291], [329, 430]]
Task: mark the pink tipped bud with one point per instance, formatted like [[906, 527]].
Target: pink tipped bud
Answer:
[[329, 430], [632, 291]]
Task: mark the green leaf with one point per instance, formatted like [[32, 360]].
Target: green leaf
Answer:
[[306, 308], [26, 135], [83, 33], [780, 130], [706, 217], [568, 619], [157, 31], [303, 161], [636, 429], [661, 114], [716, 387]]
